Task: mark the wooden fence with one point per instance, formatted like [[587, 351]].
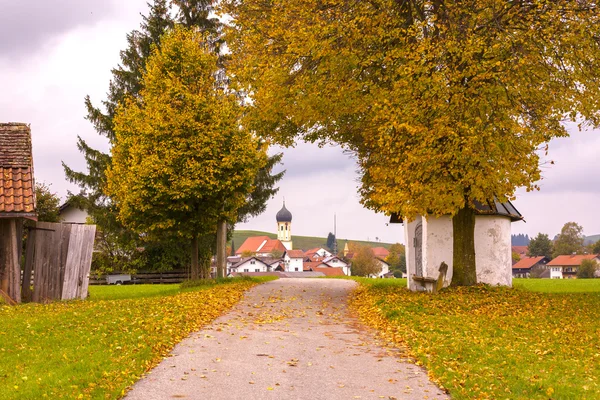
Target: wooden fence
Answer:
[[59, 256], [149, 277]]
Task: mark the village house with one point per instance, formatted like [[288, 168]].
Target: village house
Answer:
[[527, 266], [254, 264], [262, 246], [317, 253], [71, 214], [520, 250], [385, 269], [429, 243], [380, 252], [293, 260], [565, 266]]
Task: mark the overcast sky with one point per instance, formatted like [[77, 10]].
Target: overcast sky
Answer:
[[55, 52]]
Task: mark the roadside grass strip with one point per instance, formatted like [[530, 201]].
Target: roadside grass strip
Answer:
[[490, 342], [98, 348]]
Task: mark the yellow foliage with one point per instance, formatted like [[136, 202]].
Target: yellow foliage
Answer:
[[181, 160], [442, 102]]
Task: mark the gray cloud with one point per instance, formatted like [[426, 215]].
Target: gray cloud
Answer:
[[26, 25]]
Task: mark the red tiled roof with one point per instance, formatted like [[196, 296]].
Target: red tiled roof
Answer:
[[571, 260], [527, 262], [311, 265], [17, 194], [271, 245], [521, 250], [252, 244], [330, 271], [295, 253], [312, 251], [380, 252]]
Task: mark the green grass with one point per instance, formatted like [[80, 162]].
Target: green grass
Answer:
[[98, 347], [531, 342], [558, 285], [116, 292], [301, 242]]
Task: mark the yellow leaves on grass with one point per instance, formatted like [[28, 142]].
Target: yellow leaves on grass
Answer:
[[99, 348], [483, 342]]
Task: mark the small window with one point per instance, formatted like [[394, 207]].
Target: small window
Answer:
[[252, 262], [246, 270], [282, 228], [296, 269], [257, 270]]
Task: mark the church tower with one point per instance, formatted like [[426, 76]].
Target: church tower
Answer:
[[284, 227]]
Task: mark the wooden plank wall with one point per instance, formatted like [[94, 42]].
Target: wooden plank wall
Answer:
[[60, 257], [10, 269]]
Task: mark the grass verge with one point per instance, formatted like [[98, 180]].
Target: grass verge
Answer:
[[484, 342], [98, 347]]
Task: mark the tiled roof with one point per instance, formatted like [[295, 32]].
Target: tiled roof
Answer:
[[380, 252], [331, 271], [527, 262], [295, 253], [311, 265], [252, 244], [571, 260], [271, 245], [521, 250], [17, 194]]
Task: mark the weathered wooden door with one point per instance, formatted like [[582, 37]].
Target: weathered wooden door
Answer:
[[419, 250]]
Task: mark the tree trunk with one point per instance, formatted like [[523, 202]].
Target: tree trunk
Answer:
[[10, 268], [221, 248], [195, 268], [464, 270]]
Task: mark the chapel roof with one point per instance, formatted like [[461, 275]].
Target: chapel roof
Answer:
[[489, 208]]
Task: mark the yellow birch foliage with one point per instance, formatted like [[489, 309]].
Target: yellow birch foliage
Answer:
[[181, 160], [442, 101]]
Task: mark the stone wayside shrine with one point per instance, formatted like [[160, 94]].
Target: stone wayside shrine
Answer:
[[17, 203], [429, 247]]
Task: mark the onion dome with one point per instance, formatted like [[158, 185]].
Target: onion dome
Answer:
[[284, 215]]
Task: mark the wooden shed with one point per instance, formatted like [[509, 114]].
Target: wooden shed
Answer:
[[17, 202]]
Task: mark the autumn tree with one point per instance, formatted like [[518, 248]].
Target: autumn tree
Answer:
[[47, 203], [364, 262], [397, 258], [443, 103], [181, 162], [587, 269], [127, 81], [570, 240], [540, 245], [595, 247]]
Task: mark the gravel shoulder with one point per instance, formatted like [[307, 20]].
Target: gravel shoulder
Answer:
[[287, 339]]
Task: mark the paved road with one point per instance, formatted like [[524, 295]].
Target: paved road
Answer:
[[287, 339]]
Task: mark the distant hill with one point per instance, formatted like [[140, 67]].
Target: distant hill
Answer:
[[591, 239], [301, 242]]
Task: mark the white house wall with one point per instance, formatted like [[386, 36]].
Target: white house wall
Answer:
[[493, 254], [73, 215]]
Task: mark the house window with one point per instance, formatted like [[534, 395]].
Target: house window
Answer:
[[246, 270], [296, 269], [252, 262], [334, 260], [257, 270], [282, 228]]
